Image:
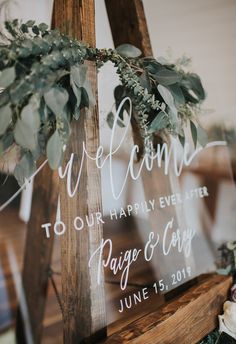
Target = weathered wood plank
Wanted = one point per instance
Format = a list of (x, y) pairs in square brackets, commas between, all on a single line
[(37, 257), (186, 319), (83, 300), (128, 24)]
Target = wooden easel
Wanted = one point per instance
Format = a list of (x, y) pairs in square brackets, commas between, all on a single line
[(84, 313)]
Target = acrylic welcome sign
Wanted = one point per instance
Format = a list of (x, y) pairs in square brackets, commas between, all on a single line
[(141, 210), (157, 238)]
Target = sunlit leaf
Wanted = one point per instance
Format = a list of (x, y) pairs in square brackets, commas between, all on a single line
[(26, 129), (169, 100), (5, 118), (167, 77), (160, 122), (128, 50), (54, 150), (7, 76), (56, 99), (78, 75)]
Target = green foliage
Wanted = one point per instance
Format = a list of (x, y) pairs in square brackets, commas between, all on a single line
[(7, 76), (56, 99), (227, 265), (44, 77), (110, 120), (167, 77), (211, 338), (193, 132), (5, 118), (158, 123), (26, 128), (25, 168), (54, 150), (202, 136), (128, 50)]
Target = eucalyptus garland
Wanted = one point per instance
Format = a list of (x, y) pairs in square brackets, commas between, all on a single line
[(44, 87)]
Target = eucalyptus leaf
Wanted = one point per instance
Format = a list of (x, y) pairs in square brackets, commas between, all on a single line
[(25, 168), (196, 86), (167, 77), (77, 92), (84, 98), (193, 133), (145, 81), (160, 122), (30, 23), (111, 118), (119, 93), (169, 100), (177, 93), (5, 118), (56, 99), (87, 86), (7, 76), (202, 136), (43, 27), (26, 129), (182, 140), (35, 30), (152, 65), (87, 98), (128, 50), (166, 95), (54, 150), (189, 96), (7, 140), (78, 75), (24, 28)]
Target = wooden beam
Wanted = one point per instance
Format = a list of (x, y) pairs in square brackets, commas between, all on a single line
[(84, 313), (186, 319), (128, 25), (37, 258)]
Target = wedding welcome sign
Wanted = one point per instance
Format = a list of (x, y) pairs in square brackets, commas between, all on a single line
[(121, 196), (167, 251)]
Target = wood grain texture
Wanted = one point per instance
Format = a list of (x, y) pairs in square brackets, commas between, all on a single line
[(128, 24), (38, 251), (184, 320), (84, 313)]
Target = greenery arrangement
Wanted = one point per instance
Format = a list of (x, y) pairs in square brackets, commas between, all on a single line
[(211, 338), (44, 87), (226, 266), (227, 263)]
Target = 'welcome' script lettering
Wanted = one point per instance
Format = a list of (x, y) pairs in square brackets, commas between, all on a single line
[(161, 155)]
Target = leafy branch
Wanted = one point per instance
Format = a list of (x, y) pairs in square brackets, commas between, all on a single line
[(45, 86)]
